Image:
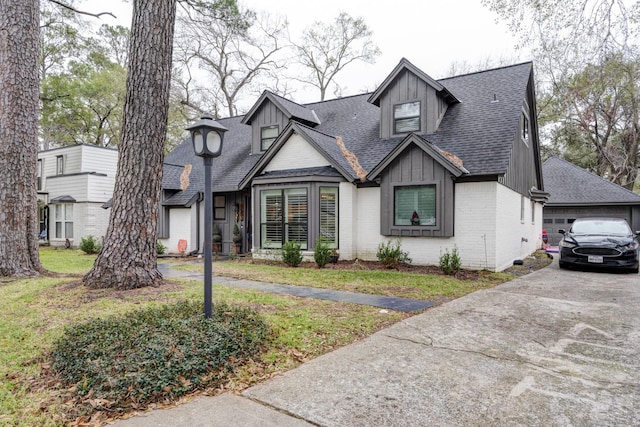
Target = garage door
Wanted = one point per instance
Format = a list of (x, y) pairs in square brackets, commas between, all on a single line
[(555, 219)]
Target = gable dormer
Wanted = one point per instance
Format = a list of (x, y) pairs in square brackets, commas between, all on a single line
[(410, 101), (270, 115)]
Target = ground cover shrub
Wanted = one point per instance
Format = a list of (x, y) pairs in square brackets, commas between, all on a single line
[(291, 254), (450, 262), (322, 253), (90, 245), (391, 255), (160, 248), (156, 354)]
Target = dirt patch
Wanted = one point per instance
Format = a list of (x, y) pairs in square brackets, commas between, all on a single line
[(536, 261)]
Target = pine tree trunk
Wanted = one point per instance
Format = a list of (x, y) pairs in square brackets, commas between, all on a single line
[(128, 258), (19, 87)]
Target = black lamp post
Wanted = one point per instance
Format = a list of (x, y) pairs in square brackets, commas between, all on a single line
[(207, 135)]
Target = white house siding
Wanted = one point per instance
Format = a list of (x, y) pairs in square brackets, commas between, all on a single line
[(347, 220), (75, 186), (296, 153), (89, 219), (182, 227), (516, 238), (99, 159), (100, 188), (487, 235)]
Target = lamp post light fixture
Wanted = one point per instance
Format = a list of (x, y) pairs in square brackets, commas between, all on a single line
[(207, 135)]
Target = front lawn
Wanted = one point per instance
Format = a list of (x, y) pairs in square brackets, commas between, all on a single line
[(34, 313)]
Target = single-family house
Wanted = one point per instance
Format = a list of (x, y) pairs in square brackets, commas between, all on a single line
[(577, 193), (438, 164), (73, 184)]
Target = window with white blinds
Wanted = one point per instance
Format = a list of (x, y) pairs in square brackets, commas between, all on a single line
[(284, 217), (415, 205), (329, 215)]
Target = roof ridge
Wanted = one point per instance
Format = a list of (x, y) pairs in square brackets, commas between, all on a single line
[(338, 99), (486, 71)]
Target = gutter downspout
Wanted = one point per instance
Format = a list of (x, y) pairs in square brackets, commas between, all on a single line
[(197, 249)]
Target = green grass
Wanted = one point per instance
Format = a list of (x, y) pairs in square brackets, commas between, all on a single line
[(34, 312), (377, 282)]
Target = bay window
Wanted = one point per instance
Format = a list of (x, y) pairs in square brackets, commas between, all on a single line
[(329, 215), (284, 217)]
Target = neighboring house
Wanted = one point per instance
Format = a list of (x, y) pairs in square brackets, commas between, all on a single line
[(577, 193), (73, 184), (441, 164)]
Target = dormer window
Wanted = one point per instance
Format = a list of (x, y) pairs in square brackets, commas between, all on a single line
[(525, 128), (406, 117), (268, 134)]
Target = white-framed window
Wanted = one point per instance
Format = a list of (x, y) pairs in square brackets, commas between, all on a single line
[(268, 134), (406, 117), (284, 217), (59, 165), (64, 221), (329, 215), (415, 205)]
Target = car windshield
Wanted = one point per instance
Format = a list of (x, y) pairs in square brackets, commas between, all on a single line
[(616, 228)]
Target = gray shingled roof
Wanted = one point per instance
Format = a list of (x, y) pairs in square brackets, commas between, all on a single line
[(477, 130), (292, 110), (228, 169), (569, 184)]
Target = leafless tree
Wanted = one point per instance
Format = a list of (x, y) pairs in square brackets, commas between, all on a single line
[(232, 52), (326, 49)]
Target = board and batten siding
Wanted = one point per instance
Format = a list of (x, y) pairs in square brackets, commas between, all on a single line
[(296, 153), (521, 173), (415, 167), (408, 88), (267, 115)]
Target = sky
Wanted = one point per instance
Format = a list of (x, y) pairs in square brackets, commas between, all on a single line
[(432, 34)]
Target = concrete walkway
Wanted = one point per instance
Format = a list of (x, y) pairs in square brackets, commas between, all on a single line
[(391, 303), (552, 348)]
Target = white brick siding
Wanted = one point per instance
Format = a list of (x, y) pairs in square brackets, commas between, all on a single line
[(488, 230)]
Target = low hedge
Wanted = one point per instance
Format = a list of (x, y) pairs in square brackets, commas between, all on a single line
[(156, 354)]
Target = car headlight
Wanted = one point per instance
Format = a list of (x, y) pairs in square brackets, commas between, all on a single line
[(567, 244), (631, 246)]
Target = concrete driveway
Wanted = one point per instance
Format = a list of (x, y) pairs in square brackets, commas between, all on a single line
[(553, 348)]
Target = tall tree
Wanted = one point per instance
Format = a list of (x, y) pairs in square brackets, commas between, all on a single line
[(325, 50), (128, 257), (587, 59), (19, 43), (600, 127)]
